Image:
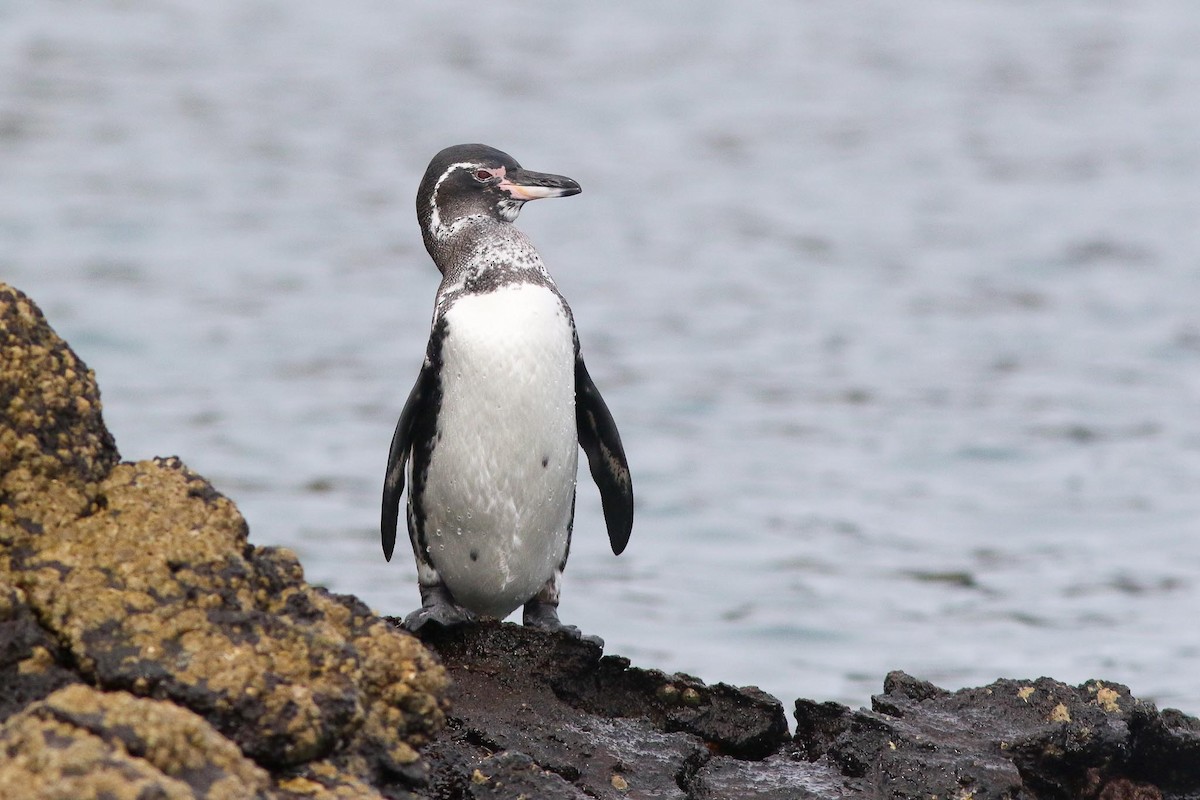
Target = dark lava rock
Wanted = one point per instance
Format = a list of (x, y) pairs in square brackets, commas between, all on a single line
[(786, 776), (584, 726), (544, 715), (1010, 739), (740, 722)]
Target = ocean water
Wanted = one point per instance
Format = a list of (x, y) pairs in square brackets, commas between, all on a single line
[(897, 305)]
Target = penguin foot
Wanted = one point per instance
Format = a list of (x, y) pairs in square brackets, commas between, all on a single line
[(544, 616), (439, 609), (441, 616)]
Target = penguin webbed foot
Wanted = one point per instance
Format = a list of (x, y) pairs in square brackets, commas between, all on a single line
[(439, 616), (544, 616), (438, 609)]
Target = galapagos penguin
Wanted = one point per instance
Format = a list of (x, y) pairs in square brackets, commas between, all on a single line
[(491, 429)]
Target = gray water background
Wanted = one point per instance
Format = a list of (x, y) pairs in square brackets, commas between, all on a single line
[(897, 304)]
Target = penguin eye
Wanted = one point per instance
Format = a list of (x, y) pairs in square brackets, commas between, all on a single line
[(483, 175)]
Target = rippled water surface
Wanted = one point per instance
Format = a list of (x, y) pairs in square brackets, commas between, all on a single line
[(897, 305)]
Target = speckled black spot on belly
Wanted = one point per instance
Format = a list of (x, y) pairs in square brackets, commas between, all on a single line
[(474, 555), (545, 461)]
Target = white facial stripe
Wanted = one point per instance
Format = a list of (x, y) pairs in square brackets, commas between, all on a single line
[(435, 219)]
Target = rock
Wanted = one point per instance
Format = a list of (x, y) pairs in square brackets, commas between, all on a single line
[(139, 578), (587, 726), (741, 722), (30, 659), (545, 715), (158, 594), (80, 742), (54, 447), (1166, 749), (1037, 739), (785, 776), (511, 774)]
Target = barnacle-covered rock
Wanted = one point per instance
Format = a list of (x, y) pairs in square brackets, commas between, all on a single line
[(54, 447), (139, 577), (84, 743)]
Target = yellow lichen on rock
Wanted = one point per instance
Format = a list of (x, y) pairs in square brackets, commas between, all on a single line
[(1106, 696), (40, 660), (82, 743), (139, 577), (322, 780), (53, 443), (156, 594), (409, 687)]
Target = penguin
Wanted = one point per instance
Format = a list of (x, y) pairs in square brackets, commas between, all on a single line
[(491, 431)]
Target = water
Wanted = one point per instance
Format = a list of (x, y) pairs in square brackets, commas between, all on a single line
[(896, 304)]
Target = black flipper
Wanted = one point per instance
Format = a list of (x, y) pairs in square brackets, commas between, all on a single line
[(402, 441), (606, 458)]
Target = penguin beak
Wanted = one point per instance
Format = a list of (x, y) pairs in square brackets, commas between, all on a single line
[(524, 185)]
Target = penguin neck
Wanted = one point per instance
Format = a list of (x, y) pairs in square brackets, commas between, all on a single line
[(482, 253)]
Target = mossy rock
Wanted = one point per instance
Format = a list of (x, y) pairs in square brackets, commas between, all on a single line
[(139, 577), (81, 743), (31, 665), (54, 447)]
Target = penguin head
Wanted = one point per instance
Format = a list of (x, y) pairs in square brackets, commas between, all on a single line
[(474, 180)]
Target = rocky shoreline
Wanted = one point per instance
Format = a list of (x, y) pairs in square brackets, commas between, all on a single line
[(148, 650)]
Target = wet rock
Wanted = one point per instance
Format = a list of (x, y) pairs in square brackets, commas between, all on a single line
[(1037, 739), (592, 726), (508, 775), (741, 722), (579, 723), (786, 776), (546, 715)]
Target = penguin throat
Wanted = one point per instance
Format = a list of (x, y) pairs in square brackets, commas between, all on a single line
[(508, 209)]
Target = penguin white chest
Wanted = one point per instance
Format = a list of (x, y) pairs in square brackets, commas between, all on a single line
[(499, 492)]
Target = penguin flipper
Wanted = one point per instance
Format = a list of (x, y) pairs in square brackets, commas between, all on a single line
[(393, 481), (606, 457)]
